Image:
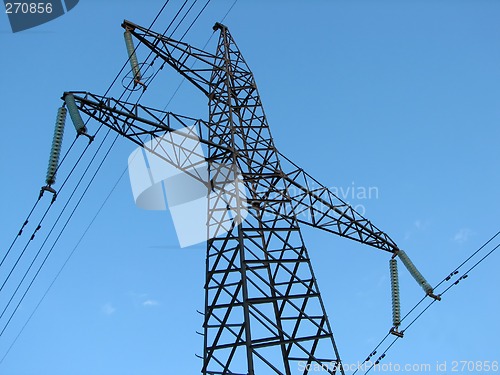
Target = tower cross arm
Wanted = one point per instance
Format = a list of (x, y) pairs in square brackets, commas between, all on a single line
[(150, 129), (134, 121), (179, 55), (316, 205)]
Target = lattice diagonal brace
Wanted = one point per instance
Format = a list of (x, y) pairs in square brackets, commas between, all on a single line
[(263, 309)]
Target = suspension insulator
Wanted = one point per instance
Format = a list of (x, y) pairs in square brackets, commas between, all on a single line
[(415, 272), (55, 151), (74, 113), (396, 305), (132, 56)]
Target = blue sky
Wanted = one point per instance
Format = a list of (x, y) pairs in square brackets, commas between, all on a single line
[(401, 97)]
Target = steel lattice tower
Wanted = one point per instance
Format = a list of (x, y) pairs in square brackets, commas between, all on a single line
[(263, 309)]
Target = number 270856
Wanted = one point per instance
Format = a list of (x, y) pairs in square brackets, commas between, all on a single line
[(28, 8)]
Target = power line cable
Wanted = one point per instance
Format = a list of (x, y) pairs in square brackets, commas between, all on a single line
[(38, 227), (85, 192), (57, 239), (63, 266), (47, 236), (26, 221), (72, 215), (447, 278), (72, 170)]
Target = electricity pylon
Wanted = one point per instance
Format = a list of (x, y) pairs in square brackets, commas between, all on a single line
[(263, 310)]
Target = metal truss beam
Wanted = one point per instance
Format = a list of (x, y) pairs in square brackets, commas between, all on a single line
[(263, 309)]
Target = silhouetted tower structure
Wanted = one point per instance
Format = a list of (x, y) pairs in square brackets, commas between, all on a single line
[(263, 309)]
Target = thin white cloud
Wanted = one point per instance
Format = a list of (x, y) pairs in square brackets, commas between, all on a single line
[(136, 295), (150, 303), (462, 235), (108, 309), (421, 224), (418, 225), (382, 281)]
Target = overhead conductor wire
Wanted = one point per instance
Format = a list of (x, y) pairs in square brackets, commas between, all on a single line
[(67, 259), (53, 226), (445, 279)]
